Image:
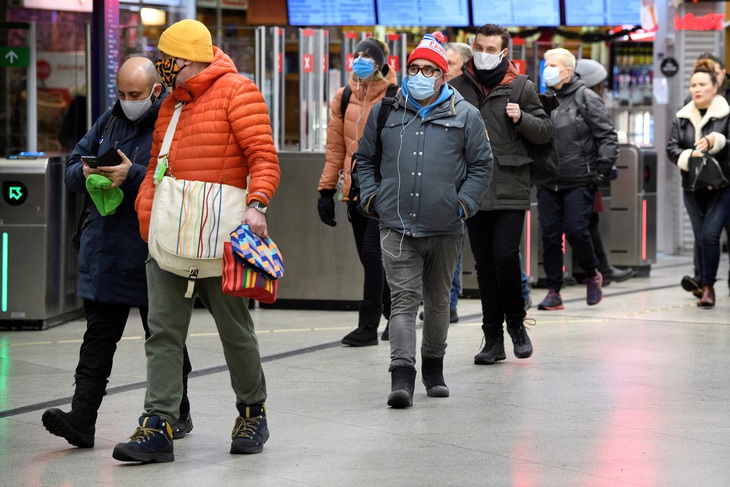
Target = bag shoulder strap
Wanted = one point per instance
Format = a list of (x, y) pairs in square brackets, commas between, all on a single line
[(518, 86), (167, 141), (345, 100)]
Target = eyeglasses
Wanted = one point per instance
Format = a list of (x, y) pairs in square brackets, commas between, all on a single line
[(428, 71)]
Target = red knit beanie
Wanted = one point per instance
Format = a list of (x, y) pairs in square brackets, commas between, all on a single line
[(430, 48)]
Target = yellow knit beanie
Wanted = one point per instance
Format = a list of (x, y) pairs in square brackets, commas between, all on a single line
[(189, 40)]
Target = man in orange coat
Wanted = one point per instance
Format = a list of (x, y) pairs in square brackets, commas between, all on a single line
[(223, 136)]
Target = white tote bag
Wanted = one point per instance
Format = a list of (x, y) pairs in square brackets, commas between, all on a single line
[(190, 222)]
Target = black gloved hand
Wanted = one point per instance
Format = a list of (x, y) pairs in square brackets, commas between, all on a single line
[(602, 181), (326, 207)]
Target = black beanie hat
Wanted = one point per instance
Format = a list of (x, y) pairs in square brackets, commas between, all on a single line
[(372, 48)]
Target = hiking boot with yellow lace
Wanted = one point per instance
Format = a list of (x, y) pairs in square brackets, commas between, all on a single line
[(151, 443), (251, 430)]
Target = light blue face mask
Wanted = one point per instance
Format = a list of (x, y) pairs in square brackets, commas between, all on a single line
[(363, 67), (420, 87), (551, 75)]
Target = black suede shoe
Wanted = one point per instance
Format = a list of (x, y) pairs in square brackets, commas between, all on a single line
[(68, 426), (361, 337), (151, 443), (402, 384), (182, 427), (250, 431)]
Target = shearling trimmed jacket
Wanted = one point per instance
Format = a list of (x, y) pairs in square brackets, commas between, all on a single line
[(689, 127), (223, 136)]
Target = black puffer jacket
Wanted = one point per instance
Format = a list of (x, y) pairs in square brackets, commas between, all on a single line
[(689, 127), (510, 186), (584, 136)]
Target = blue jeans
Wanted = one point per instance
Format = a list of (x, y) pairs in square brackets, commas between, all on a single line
[(418, 268), (708, 212), (566, 211)]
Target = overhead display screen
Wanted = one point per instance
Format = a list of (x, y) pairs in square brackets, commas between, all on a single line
[(516, 13), (429, 13), (602, 12), (331, 12)]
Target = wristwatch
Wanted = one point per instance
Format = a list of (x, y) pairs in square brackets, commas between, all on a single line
[(258, 206)]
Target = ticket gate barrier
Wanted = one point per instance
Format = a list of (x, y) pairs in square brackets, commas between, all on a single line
[(634, 209), (38, 264)]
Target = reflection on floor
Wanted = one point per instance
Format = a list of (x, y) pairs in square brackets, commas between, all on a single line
[(632, 392)]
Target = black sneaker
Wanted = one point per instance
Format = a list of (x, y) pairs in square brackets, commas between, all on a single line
[(182, 427), (69, 427), (692, 285), (493, 350), (151, 443), (250, 431), (520, 339)]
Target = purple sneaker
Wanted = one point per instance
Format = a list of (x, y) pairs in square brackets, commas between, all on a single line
[(552, 301), (594, 289)]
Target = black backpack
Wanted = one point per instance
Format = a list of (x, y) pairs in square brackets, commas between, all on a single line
[(388, 102), (545, 166)]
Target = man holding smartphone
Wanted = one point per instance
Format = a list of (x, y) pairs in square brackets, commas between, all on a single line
[(112, 254)]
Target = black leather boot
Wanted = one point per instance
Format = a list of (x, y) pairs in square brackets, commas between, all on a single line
[(78, 426), (366, 333), (432, 375), (403, 382), (493, 350), (614, 274)]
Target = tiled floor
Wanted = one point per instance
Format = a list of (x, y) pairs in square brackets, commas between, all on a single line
[(632, 392)]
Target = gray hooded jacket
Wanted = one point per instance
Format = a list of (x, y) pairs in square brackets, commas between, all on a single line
[(429, 166)]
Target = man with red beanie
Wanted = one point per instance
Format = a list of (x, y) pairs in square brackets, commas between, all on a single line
[(435, 166), (223, 136)]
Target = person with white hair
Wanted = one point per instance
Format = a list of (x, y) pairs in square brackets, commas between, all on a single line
[(587, 145)]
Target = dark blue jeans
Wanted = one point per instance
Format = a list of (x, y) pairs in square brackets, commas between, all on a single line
[(495, 242), (708, 212), (566, 211)]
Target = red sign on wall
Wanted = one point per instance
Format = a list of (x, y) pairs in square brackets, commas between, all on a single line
[(706, 22), (349, 61)]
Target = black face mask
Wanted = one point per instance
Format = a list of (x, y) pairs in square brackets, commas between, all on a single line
[(491, 77)]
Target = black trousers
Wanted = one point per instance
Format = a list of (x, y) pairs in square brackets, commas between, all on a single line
[(105, 323), (367, 240), (495, 237)]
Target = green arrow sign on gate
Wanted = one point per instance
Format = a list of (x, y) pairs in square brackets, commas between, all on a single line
[(14, 57)]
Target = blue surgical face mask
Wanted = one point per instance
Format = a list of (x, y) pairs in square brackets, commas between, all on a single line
[(420, 87), (551, 75), (363, 67)]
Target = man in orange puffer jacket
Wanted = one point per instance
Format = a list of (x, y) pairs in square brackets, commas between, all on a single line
[(223, 136)]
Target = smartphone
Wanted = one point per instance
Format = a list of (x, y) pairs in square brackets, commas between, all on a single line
[(109, 158)]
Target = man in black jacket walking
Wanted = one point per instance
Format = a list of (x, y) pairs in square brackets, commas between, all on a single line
[(587, 147), (495, 231)]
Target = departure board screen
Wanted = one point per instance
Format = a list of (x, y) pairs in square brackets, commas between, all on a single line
[(429, 13), (331, 12), (516, 13), (602, 12)]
